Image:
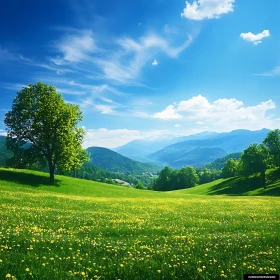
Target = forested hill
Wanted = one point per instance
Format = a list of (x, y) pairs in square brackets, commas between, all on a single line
[(114, 162), (220, 162)]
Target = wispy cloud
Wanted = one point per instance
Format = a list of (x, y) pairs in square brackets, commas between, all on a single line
[(255, 38), (207, 9), (7, 55), (13, 87), (122, 62), (75, 47), (272, 73)]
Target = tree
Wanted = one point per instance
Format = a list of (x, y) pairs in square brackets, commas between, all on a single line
[(42, 125), (139, 186), (230, 168), (188, 177), (254, 160), (162, 183), (272, 142)]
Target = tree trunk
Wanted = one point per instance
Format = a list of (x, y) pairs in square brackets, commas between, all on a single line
[(51, 171)]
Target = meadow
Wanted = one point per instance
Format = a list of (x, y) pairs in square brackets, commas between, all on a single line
[(79, 229)]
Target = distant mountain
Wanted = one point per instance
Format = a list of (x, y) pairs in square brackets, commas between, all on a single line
[(193, 152), (114, 162), (140, 149)]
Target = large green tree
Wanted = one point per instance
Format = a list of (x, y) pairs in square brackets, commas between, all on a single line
[(187, 177), (162, 183), (272, 142), (254, 160), (42, 125), (230, 168)]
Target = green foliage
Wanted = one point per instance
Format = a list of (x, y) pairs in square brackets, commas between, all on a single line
[(188, 177), (230, 168), (5, 155), (255, 159), (272, 142), (170, 179), (139, 186), (164, 179), (220, 162), (208, 175), (42, 125)]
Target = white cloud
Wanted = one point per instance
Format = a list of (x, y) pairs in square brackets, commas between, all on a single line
[(155, 63), (222, 114), (274, 72), (168, 114), (255, 38), (177, 125), (207, 9), (3, 132), (114, 138), (121, 62), (75, 47)]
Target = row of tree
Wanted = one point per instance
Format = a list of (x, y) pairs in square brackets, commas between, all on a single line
[(170, 179)]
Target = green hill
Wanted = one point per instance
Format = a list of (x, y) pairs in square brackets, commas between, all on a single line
[(80, 229), (114, 162), (240, 186), (220, 162)]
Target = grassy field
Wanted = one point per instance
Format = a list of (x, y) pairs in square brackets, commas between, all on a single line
[(85, 230)]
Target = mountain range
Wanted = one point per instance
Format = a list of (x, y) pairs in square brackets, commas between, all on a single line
[(195, 150), (140, 149), (174, 151)]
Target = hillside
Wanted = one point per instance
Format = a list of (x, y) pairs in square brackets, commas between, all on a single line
[(238, 186), (80, 229), (180, 154), (220, 162), (114, 162)]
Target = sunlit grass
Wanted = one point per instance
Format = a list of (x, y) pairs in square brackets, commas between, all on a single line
[(84, 230)]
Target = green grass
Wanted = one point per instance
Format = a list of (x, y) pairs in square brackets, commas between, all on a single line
[(251, 186), (79, 229)]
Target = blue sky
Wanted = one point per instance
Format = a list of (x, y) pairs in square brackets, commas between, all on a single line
[(147, 68)]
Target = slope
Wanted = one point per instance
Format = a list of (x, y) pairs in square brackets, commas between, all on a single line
[(114, 162), (239, 186)]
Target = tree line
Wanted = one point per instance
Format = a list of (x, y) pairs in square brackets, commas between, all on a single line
[(254, 160)]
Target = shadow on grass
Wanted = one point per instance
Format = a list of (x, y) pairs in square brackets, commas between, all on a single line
[(237, 186), (242, 185), (33, 180)]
